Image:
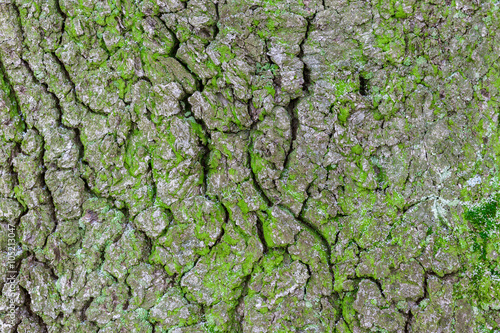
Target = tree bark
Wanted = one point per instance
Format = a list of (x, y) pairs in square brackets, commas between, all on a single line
[(249, 166)]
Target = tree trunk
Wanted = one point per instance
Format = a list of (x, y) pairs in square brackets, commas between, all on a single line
[(249, 166)]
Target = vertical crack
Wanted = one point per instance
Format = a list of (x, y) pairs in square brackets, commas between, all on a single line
[(325, 242), (256, 183), (409, 318), (204, 141), (12, 94), (30, 310), (216, 26), (64, 17), (294, 125), (363, 85), (239, 311), (260, 232)]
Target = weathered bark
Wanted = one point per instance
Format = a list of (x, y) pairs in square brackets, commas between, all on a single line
[(250, 166)]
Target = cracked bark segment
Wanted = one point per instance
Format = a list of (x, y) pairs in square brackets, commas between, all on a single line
[(270, 146), (176, 160), (38, 281), (405, 284), (375, 312), (271, 286), (218, 275), (130, 250), (67, 191), (108, 305), (31, 188), (280, 227), (153, 221), (173, 310), (147, 284), (165, 99), (197, 227), (12, 123), (30, 325), (102, 226), (309, 249), (73, 324), (437, 304), (220, 110), (132, 321), (40, 219), (306, 154), (277, 297), (194, 55), (230, 179), (10, 209)]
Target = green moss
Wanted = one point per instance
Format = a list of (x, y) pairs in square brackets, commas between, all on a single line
[(225, 53), (484, 216), (343, 114), (357, 149), (348, 312), (400, 13)]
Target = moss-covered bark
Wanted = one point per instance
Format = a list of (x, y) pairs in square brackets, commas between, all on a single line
[(250, 166)]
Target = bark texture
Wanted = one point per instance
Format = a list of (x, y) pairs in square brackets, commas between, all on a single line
[(251, 165)]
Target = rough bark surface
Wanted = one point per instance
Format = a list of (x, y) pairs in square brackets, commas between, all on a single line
[(251, 166)]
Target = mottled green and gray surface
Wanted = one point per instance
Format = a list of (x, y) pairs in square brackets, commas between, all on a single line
[(251, 166)]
